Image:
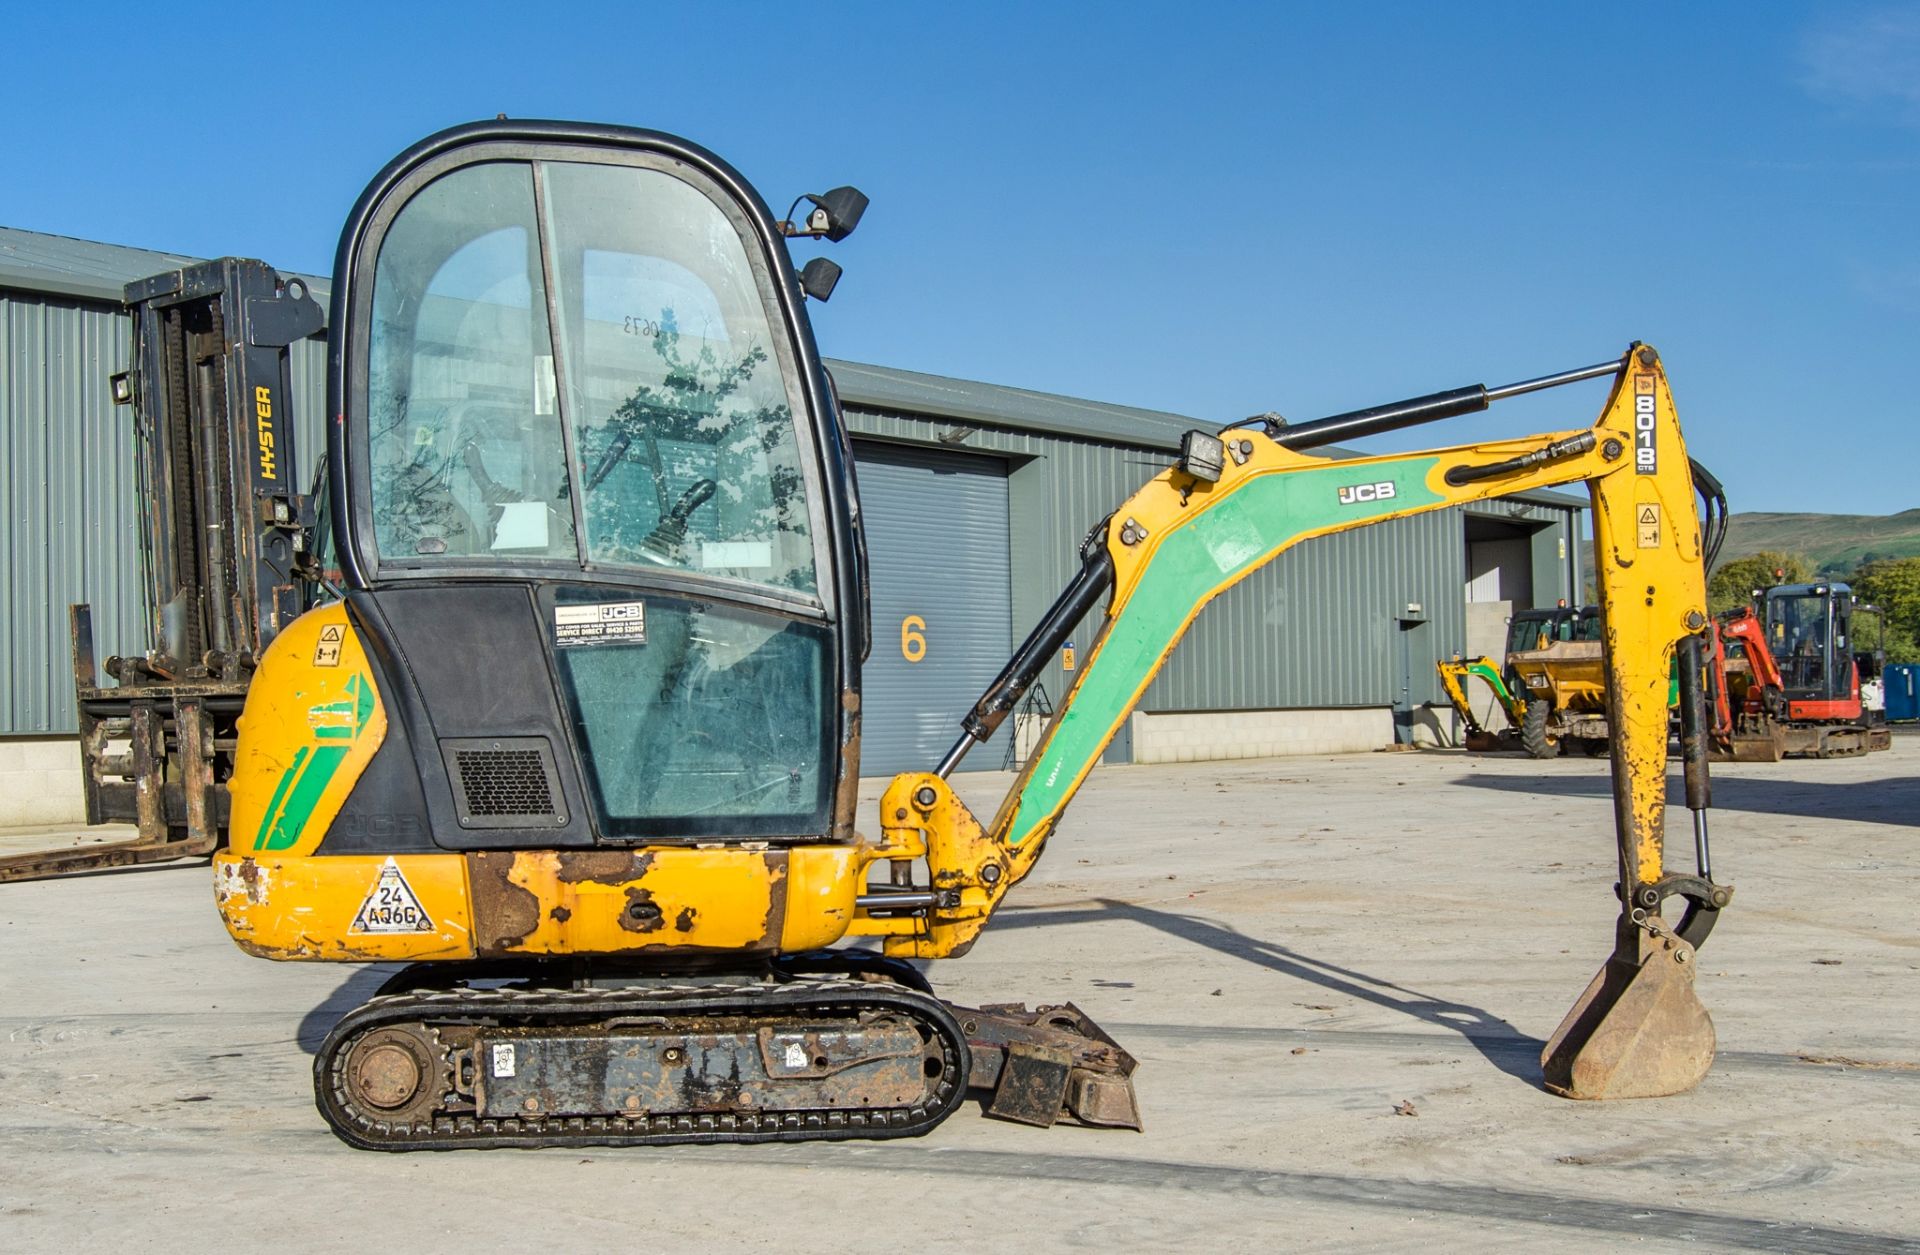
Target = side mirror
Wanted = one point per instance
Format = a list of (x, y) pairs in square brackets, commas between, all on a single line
[(818, 277)]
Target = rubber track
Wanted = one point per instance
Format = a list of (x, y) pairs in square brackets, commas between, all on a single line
[(560, 1008)]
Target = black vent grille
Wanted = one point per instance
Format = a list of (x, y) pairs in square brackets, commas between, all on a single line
[(504, 783)]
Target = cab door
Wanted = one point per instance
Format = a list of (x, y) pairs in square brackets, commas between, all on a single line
[(593, 514)]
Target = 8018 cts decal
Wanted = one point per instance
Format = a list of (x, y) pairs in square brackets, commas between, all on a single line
[(1646, 453), (1354, 494)]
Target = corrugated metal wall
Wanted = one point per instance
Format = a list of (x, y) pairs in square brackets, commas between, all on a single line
[(1316, 628), (937, 539), (68, 522)]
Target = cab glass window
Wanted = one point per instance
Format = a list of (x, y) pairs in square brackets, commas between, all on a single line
[(674, 383), (465, 454), (1798, 635), (704, 720)]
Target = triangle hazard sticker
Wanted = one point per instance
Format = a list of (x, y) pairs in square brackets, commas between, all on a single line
[(391, 906)]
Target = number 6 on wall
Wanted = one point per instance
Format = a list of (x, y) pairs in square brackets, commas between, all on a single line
[(913, 638)]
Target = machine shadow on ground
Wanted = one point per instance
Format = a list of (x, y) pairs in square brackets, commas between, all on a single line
[(361, 984), (1891, 800), (1498, 1041)]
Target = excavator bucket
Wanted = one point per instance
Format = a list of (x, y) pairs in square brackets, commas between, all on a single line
[(1638, 1031)]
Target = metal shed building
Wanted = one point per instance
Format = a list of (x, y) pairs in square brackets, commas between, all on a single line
[(1330, 648)]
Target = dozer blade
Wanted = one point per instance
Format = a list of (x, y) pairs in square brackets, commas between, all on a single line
[(1638, 1031), (1767, 746), (1040, 1065)]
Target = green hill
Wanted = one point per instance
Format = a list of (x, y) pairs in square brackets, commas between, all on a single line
[(1833, 543)]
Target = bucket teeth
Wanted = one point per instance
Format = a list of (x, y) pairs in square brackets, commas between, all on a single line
[(1638, 1031)]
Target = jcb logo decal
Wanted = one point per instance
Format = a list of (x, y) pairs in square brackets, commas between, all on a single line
[(263, 414), (1354, 494), (1646, 450)]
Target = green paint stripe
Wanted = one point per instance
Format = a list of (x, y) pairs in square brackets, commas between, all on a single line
[(309, 783), (361, 689), (334, 732), (268, 836), (1215, 548), (1495, 681), (313, 769)]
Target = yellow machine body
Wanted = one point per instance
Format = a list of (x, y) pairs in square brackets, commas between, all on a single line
[(314, 719)]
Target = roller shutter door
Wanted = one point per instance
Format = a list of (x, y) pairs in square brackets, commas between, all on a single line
[(942, 605)]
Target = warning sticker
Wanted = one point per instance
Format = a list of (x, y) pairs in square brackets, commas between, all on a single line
[(391, 906), (327, 652), (504, 1063), (1647, 523), (600, 623)]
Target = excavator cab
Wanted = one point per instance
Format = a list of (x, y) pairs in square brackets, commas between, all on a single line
[(592, 509), (1537, 629), (1810, 632)]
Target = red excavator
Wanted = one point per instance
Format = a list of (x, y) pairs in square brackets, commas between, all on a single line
[(1787, 677)]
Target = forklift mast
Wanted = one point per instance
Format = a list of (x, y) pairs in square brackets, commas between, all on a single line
[(211, 389), (223, 535)]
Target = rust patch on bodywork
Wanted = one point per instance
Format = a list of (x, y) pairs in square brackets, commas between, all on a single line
[(605, 867), (504, 913), (846, 801), (642, 914), (247, 880), (716, 897), (776, 895)]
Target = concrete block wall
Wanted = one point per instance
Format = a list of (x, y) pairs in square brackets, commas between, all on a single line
[(40, 783), (1201, 736)]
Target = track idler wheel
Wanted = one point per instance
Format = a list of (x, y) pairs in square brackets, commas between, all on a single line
[(397, 1073), (1639, 1031)]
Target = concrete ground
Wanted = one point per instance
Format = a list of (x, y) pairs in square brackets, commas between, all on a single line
[(1336, 973)]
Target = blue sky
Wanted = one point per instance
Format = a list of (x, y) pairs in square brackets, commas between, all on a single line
[(1211, 209)]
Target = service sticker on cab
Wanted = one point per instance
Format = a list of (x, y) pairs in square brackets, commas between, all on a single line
[(1646, 448), (391, 906), (600, 623)]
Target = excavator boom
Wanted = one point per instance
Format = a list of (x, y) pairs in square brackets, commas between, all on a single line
[(1454, 674), (1205, 525)]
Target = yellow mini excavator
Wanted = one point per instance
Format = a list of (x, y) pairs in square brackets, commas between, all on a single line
[(579, 740)]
